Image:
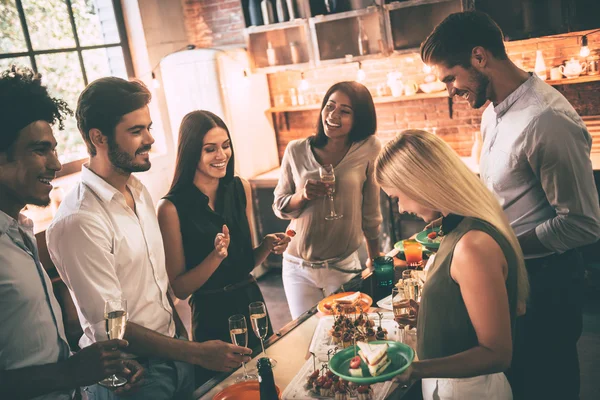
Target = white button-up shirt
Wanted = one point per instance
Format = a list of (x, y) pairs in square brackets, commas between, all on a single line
[(31, 332), (104, 250), (536, 159)]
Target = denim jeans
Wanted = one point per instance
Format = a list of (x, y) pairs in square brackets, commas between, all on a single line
[(164, 380)]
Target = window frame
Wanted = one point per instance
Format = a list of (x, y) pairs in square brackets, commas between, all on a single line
[(74, 166)]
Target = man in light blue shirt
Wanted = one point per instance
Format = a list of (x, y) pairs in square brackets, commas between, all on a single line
[(35, 359), (536, 159)]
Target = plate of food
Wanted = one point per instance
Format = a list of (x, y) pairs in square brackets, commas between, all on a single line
[(368, 363), (430, 238), (249, 390), (346, 301)]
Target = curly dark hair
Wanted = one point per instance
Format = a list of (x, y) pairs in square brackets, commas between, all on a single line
[(23, 100)]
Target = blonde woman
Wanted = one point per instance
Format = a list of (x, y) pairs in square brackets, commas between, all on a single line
[(469, 301)]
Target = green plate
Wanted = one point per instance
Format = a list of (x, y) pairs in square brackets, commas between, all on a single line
[(400, 354), (424, 240)]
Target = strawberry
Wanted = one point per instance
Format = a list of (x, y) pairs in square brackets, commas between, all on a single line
[(355, 362), (290, 232), (432, 235)]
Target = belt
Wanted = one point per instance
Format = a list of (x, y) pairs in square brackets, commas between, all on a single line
[(331, 263), (228, 288)]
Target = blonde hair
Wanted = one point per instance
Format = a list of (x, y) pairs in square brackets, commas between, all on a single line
[(448, 185)]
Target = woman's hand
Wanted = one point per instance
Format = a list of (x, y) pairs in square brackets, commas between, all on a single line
[(276, 242), (222, 243), (409, 319), (314, 189), (405, 377)]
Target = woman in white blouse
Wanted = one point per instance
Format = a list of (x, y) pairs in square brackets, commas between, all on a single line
[(323, 254)]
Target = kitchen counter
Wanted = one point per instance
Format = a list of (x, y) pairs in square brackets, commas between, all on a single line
[(290, 347)]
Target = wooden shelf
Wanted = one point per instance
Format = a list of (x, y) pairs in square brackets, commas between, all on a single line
[(572, 81), (376, 100)]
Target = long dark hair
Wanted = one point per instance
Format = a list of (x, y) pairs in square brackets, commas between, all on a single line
[(192, 131), (365, 118)]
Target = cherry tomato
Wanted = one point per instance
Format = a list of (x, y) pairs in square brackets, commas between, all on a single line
[(355, 362), (290, 232)]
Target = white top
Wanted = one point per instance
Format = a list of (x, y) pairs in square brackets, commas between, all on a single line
[(356, 198), (31, 332), (104, 250), (536, 159)]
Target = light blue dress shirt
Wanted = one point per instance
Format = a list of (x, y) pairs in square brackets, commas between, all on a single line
[(31, 332), (536, 159)]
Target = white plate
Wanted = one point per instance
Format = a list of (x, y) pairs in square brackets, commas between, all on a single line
[(386, 303)]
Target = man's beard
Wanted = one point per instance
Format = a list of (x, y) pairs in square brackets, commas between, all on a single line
[(481, 83), (123, 160)]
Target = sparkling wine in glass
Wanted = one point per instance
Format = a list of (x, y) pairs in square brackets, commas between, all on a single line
[(238, 331), (328, 177), (115, 317), (260, 324)]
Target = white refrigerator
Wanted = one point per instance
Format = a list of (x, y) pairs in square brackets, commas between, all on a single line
[(220, 81)]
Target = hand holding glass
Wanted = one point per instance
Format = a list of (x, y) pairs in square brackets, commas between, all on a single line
[(328, 178), (260, 324), (115, 316), (239, 337)]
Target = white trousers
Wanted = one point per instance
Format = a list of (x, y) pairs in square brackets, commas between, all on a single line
[(483, 387), (305, 287)]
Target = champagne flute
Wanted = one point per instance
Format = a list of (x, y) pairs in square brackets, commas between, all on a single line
[(260, 324), (239, 336), (328, 177), (115, 316)]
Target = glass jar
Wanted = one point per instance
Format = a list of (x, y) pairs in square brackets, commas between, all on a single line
[(384, 271), (593, 65)]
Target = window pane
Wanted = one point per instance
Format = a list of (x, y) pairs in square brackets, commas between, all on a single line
[(96, 23), (11, 33), (61, 73), (48, 24), (5, 63), (104, 62)]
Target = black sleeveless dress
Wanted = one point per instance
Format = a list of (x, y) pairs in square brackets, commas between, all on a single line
[(199, 225)]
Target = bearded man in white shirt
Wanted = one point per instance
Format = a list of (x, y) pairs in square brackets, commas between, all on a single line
[(106, 244), (536, 159)]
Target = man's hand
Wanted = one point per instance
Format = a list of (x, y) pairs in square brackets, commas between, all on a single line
[(222, 243), (276, 242), (96, 362), (220, 356), (134, 373), (314, 189)]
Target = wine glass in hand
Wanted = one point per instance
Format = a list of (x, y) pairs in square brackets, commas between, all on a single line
[(115, 316), (260, 324), (328, 178), (239, 337)]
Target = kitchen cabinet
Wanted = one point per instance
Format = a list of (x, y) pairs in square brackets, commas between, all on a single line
[(522, 19), (409, 23)]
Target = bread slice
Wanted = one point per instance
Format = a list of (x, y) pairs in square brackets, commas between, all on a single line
[(375, 356), (348, 300)]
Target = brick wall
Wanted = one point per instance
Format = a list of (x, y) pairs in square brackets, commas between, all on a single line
[(212, 23)]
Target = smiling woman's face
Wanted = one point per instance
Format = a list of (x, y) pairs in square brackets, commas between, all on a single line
[(216, 153), (337, 115)]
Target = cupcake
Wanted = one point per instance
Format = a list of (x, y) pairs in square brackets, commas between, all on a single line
[(364, 392), (319, 383), (381, 334), (327, 389), (340, 390)]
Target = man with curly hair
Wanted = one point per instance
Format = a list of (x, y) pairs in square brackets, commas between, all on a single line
[(35, 359)]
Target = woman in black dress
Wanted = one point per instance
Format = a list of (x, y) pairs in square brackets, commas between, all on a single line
[(205, 222)]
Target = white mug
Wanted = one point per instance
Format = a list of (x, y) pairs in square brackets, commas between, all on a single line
[(555, 74), (410, 88)]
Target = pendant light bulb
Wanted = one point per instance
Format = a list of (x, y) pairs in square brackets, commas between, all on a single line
[(303, 83), (360, 74), (585, 50), (155, 81)]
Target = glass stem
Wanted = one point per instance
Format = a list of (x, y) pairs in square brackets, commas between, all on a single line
[(245, 372), (331, 205), (262, 344)]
